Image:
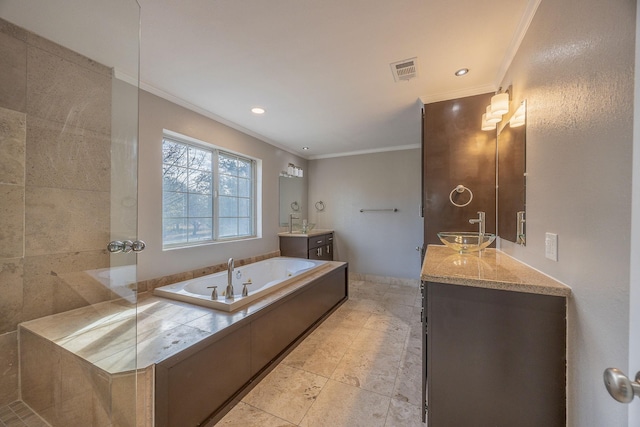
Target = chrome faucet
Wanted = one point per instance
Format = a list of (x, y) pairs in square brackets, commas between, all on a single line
[(229, 291), (291, 218), (480, 221)]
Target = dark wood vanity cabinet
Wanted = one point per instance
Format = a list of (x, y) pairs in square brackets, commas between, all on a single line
[(494, 357), (318, 246)]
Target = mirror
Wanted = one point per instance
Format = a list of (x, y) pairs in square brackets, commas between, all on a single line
[(512, 178), (293, 199)]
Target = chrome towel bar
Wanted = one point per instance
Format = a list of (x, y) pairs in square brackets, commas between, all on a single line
[(379, 210)]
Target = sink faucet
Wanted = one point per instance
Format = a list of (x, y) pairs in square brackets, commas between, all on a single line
[(480, 221), (291, 218), (229, 291)]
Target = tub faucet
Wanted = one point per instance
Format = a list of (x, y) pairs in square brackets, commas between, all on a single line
[(229, 291), (291, 218), (480, 221)]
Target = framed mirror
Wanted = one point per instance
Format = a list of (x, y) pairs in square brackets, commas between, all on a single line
[(511, 154), (293, 198)]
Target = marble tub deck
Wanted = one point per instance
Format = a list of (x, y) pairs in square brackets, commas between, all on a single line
[(120, 337), (360, 367)]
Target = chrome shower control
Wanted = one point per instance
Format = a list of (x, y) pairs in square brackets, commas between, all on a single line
[(620, 387), (126, 246)]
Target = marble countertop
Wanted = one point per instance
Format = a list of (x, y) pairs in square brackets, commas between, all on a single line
[(491, 269), (117, 336), (314, 232)]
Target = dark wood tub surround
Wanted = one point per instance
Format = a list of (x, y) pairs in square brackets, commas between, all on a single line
[(495, 342), (199, 385), (456, 151)]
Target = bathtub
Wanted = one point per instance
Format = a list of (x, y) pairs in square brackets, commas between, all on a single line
[(264, 276)]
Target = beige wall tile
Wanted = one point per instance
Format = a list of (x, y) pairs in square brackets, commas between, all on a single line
[(13, 30), (59, 221), (66, 54), (8, 368), (13, 73), (61, 91), (39, 372), (12, 145), (62, 156), (59, 282), (123, 393), (12, 224), (11, 273)]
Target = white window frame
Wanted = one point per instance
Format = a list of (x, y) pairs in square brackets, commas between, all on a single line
[(255, 183)]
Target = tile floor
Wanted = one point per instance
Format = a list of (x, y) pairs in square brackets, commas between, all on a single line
[(361, 367), (17, 414)]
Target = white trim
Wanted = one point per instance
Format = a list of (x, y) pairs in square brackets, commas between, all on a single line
[(518, 36), (371, 151), (134, 81)]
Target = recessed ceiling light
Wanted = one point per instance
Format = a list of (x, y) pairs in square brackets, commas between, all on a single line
[(461, 72), (257, 110), (305, 148)]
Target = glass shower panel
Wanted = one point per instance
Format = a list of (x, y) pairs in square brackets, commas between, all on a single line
[(68, 186)]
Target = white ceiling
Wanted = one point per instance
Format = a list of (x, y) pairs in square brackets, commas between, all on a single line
[(320, 68)]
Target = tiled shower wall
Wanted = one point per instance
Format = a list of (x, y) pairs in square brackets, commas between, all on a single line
[(55, 125)]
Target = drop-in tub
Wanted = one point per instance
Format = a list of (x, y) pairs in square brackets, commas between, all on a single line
[(263, 277)]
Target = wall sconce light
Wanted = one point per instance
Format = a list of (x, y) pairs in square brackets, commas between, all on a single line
[(493, 114), (485, 124), (519, 117), (500, 103), (293, 171), (492, 118)]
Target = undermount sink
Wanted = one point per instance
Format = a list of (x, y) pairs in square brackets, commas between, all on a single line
[(464, 242)]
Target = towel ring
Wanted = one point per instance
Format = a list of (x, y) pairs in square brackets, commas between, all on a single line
[(319, 206), (460, 189), (295, 206)]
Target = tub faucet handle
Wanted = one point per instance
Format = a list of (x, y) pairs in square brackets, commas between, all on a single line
[(214, 293), (245, 290)]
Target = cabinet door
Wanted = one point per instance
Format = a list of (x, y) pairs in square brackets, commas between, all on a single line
[(500, 353), (317, 253), (293, 246)]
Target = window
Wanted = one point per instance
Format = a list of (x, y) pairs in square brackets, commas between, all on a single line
[(207, 194)]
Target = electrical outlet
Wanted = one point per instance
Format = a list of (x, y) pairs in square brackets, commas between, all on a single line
[(551, 246)]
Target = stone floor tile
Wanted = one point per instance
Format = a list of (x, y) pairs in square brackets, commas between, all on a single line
[(243, 415), (342, 405), (286, 393)]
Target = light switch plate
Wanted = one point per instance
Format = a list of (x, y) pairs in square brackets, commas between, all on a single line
[(551, 246)]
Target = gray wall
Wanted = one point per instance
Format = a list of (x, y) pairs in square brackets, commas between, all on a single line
[(375, 243), (157, 114), (575, 69)]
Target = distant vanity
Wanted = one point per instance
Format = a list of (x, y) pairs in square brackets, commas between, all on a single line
[(495, 347), (315, 244)]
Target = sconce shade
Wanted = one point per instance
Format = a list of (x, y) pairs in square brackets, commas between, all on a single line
[(491, 117), (500, 103), (486, 125), (518, 118)]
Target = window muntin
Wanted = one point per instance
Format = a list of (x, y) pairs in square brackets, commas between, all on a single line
[(192, 212)]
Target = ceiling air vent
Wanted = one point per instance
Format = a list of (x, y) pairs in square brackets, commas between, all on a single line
[(405, 70)]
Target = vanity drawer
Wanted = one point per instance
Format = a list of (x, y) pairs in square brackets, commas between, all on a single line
[(317, 241)]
